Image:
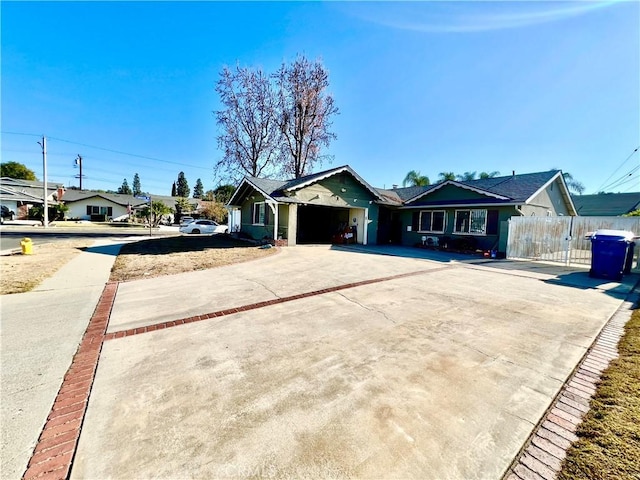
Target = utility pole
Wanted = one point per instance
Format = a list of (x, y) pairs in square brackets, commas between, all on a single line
[(43, 144), (79, 164)]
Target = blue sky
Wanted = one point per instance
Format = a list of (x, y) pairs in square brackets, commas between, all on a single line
[(428, 86)]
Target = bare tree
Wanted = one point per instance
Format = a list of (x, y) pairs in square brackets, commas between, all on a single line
[(250, 131), (307, 109)]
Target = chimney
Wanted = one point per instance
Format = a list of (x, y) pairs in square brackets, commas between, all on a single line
[(394, 186), (513, 173), (60, 192)]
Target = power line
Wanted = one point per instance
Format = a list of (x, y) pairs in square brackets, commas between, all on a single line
[(616, 170), (119, 152), (622, 178), (128, 154)]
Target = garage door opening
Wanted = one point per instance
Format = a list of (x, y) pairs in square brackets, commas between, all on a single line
[(317, 224)]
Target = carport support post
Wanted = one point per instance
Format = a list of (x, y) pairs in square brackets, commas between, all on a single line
[(292, 226)]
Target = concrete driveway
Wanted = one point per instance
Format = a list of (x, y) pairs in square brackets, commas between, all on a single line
[(379, 367)]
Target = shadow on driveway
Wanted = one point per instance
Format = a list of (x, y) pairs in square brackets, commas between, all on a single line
[(575, 276)]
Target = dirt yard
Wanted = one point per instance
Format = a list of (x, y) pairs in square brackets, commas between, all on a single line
[(20, 273), (166, 256), (143, 259)]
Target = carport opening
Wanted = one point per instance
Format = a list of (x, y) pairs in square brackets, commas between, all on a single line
[(319, 225)]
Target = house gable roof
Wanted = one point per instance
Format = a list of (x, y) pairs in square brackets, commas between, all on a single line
[(607, 204), (463, 185), (279, 190), (512, 189)]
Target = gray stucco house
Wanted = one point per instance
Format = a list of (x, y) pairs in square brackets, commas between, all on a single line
[(317, 207)]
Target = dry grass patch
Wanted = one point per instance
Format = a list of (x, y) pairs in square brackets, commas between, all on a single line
[(165, 256), (609, 435), (21, 273)]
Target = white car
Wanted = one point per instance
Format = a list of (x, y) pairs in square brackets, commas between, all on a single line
[(204, 226)]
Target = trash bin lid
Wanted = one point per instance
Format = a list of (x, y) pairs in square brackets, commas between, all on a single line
[(614, 235)]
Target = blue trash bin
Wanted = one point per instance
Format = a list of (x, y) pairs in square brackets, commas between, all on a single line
[(611, 254)]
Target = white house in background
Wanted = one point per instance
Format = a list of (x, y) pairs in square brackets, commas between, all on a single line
[(87, 205)]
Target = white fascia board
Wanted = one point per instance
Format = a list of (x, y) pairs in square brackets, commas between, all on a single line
[(460, 205), (245, 180), (331, 173), (566, 194), (459, 185)]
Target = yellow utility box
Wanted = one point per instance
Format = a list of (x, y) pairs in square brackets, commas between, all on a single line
[(27, 246)]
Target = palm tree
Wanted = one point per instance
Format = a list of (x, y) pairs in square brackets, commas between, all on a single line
[(447, 176), (574, 185), (414, 179), (493, 174), (466, 176)]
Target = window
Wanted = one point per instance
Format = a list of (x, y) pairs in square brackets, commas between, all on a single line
[(432, 221), (97, 210), (473, 222), (258, 213)]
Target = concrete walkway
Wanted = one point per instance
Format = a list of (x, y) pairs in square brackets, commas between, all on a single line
[(40, 333)]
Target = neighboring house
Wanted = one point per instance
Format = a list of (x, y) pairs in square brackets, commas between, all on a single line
[(21, 195), (311, 209), (96, 206), (471, 214), (606, 204)]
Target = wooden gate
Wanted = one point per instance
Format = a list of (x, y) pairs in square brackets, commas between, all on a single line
[(563, 240)]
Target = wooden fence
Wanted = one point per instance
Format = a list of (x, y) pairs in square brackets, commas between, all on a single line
[(565, 240)]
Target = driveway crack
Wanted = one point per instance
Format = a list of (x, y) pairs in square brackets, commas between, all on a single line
[(366, 307), (265, 287)]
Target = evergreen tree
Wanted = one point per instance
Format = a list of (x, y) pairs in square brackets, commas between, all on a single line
[(183, 189), (124, 188), (137, 190), (198, 190), (174, 191)]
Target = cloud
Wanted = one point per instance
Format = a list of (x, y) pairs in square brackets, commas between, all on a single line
[(469, 17)]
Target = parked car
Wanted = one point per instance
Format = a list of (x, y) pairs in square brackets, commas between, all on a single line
[(186, 220), (204, 226), (6, 213)]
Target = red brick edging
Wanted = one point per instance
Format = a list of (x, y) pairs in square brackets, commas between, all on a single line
[(253, 306), (542, 455), (54, 451)]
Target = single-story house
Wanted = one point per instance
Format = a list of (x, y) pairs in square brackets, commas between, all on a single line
[(607, 204), (98, 206), (311, 209), (21, 195), (317, 208)]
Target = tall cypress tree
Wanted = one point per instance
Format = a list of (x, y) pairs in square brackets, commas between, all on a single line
[(183, 189), (198, 190), (174, 191), (137, 189)]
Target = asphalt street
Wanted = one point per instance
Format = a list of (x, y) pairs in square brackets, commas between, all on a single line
[(10, 236)]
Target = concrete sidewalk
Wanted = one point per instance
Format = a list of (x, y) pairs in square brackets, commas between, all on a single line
[(40, 332)]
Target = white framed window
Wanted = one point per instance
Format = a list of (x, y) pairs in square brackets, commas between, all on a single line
[(432, 221), (258, 213), (472, 222)]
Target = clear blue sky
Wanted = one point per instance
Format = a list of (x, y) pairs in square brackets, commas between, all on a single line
[(430, 86)]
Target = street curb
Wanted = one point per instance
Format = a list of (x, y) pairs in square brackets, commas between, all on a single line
[(56, 446), (543, 453)]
